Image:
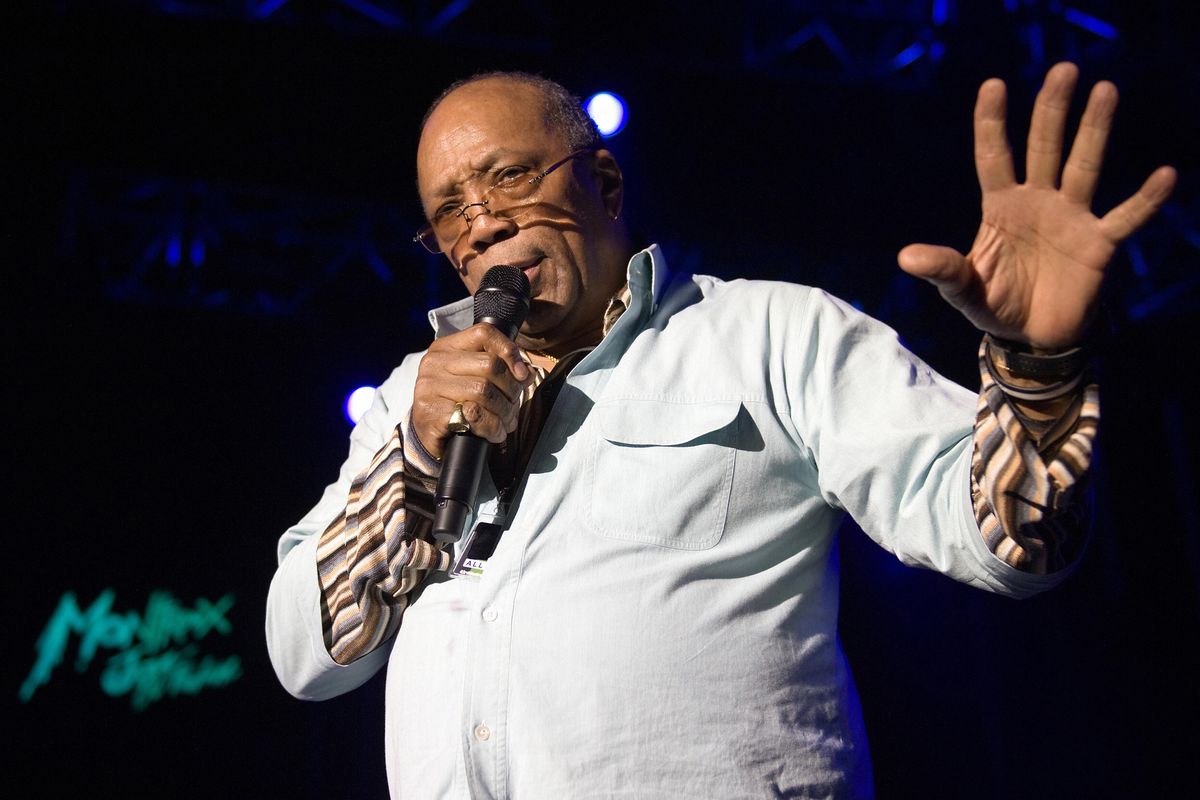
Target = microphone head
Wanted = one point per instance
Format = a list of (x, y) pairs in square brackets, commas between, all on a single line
[(503, 299)]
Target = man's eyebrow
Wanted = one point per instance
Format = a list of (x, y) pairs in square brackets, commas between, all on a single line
[(487, 163)]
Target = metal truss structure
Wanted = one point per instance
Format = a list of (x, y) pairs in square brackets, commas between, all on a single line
[(246, 249), (522, 23), (896, 42), (265, 251), (260, 251), (902, 44)]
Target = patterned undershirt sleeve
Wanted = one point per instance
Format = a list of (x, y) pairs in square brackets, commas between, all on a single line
[(380, 548), (1028, 478), (374, 553)]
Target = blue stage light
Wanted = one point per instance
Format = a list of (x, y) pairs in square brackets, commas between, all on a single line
[(908, 55), (358, 402), (173, 252), (1096, 25), (608, 112), (196, 252), (941, 10)]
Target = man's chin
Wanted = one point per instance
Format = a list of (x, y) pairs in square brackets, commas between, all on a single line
[(542, 323), (535, 341)]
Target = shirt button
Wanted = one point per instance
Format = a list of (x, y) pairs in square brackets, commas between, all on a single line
[(490, 614), (483, 733)]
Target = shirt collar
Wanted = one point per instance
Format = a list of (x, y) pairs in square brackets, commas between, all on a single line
[(645, 276)]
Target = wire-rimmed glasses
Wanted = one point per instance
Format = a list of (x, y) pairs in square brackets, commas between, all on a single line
[(513, 195)]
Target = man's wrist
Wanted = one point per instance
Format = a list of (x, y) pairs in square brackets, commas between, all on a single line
[(416, 455), (1031, 374)]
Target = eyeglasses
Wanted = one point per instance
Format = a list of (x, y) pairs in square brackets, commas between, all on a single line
[(515, 193)]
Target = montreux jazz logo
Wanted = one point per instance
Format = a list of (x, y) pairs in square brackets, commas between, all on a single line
[(155, 653)]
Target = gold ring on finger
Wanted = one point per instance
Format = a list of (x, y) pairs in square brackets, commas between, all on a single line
[(458, 421)]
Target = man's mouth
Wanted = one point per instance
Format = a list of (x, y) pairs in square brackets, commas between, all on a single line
[(531, 268), (528, 264)]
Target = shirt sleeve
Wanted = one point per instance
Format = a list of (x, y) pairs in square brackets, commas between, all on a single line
[(1028, 480), (377, 551), (297, 611), (380, 548)]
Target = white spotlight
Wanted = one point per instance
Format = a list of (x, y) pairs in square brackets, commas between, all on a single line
[(608, 112), (358, 402)]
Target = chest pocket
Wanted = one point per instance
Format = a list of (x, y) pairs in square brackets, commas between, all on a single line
[(660, 472)]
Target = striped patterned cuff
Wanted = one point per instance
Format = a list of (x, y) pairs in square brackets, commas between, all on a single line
[(1030, 506), (372, 555), (415, 454)]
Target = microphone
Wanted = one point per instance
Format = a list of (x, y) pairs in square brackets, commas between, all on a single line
[(502, 300)]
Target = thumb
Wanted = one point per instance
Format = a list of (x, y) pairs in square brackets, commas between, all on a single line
[(944, 267), (952, 274)]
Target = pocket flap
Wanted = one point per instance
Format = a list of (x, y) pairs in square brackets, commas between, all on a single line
[(662, 422)]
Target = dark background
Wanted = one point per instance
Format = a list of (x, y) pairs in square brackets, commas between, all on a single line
[(209, 249)]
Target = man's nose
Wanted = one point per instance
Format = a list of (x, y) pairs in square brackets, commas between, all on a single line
[(486, 228)]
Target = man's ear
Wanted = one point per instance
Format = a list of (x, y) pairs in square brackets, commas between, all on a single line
[(610, 182)]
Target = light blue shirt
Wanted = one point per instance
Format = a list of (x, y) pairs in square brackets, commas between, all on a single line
[(659, 620)]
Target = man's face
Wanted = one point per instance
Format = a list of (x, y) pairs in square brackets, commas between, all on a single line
[(569, 247)]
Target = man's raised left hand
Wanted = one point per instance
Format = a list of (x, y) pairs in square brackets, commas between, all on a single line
[(1034, 272)]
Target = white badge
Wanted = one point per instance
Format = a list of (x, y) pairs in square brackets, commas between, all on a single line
[(473, 552)]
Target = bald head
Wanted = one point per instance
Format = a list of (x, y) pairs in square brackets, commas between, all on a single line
[(493, 119), (561, 111)]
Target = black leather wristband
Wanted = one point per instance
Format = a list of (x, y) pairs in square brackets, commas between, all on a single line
[(1021, 362)]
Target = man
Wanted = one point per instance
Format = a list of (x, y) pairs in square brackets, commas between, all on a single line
[(673, 454)]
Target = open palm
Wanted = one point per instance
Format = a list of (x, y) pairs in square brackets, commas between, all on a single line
[(1034, 271)]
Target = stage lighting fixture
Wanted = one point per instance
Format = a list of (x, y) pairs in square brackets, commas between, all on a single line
[(608, 112), (358, 402)]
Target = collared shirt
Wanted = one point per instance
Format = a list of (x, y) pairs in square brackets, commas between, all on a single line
[(659, 618)]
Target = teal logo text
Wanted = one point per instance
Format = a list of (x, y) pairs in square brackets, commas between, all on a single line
[(156, 652)]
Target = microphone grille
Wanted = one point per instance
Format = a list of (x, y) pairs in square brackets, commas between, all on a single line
[(505, 278), (503, 295)]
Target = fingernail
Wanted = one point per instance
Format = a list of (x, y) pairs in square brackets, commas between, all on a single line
[(521, 370)]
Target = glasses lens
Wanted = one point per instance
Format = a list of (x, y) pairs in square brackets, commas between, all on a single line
[(428, 239), (516, 192), (506, 200)]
